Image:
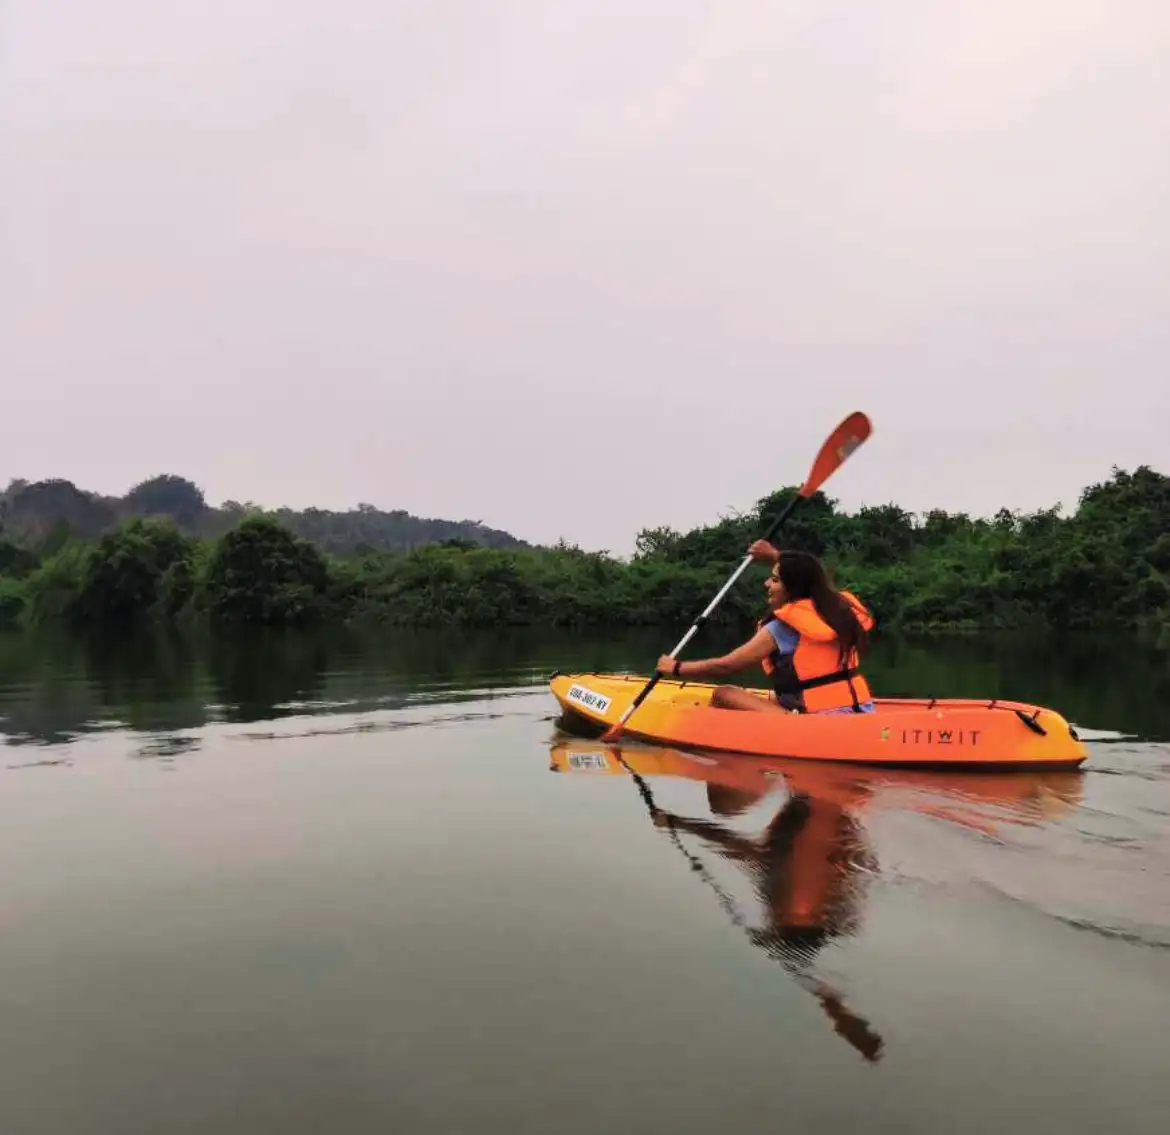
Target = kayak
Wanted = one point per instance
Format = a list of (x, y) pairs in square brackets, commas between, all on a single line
[(913, 732)]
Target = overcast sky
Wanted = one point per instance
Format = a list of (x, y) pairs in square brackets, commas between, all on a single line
[(577, 267)]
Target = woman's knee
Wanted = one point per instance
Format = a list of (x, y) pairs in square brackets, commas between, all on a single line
[(725, 697), (732, 697)]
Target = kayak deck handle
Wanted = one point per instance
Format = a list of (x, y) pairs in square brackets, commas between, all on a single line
[(1031, 722)]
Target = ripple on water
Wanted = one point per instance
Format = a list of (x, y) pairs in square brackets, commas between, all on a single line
[(1101, 865)]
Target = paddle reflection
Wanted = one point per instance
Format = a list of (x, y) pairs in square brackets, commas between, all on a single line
[(810, 865)]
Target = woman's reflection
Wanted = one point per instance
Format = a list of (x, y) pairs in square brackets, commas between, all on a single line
[(808, 868)]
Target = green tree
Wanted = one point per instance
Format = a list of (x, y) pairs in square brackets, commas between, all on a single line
[(13, 599), (17, 561), (260, 573), (167, 495), (124, 575)]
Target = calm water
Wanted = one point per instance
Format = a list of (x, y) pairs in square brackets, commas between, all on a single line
[(305, 885)]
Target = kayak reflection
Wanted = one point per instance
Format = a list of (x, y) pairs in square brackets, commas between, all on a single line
[(810, 865)]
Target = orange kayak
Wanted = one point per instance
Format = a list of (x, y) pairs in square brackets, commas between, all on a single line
[(914, 732)]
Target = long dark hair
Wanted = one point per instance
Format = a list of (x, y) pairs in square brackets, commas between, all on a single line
[(804, 577)]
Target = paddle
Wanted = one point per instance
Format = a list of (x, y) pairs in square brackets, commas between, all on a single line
[(837, 447)]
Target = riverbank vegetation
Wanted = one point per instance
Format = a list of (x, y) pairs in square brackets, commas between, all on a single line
[(1106, 564)]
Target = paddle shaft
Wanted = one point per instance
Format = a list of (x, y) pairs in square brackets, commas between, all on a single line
[(773, 528)]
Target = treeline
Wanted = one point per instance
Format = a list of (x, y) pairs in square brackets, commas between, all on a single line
[(1108, 564), (48, 514)]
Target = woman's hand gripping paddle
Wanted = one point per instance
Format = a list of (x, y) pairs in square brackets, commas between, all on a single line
[(838, 446)]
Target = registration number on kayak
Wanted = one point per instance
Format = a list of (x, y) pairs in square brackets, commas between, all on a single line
[(598, 703), (587, 762)]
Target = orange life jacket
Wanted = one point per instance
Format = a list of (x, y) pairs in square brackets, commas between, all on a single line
[(813, 675)]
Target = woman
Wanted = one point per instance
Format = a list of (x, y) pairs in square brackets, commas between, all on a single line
[(809, 645)]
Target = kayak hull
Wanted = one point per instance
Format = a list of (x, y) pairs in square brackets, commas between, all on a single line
[(903, 732)]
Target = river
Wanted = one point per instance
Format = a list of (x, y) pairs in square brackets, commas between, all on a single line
[(358, 884)]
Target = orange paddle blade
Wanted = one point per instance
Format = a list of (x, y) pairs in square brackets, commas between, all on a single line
[(840, 443)]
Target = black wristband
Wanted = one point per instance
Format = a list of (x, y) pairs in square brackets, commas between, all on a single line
[(677, 666)]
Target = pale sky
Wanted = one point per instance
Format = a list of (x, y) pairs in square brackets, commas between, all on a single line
[(579, 267)]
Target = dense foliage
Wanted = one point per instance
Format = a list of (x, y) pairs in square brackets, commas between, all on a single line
[(1107, 564)]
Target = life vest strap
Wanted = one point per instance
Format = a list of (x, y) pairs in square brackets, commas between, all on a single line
[(828, 679)]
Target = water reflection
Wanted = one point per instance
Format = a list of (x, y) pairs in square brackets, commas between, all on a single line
[(810, 864), (55, 688)]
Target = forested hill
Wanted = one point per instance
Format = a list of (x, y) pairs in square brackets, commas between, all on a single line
[(46, 514), (1107, 564)]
